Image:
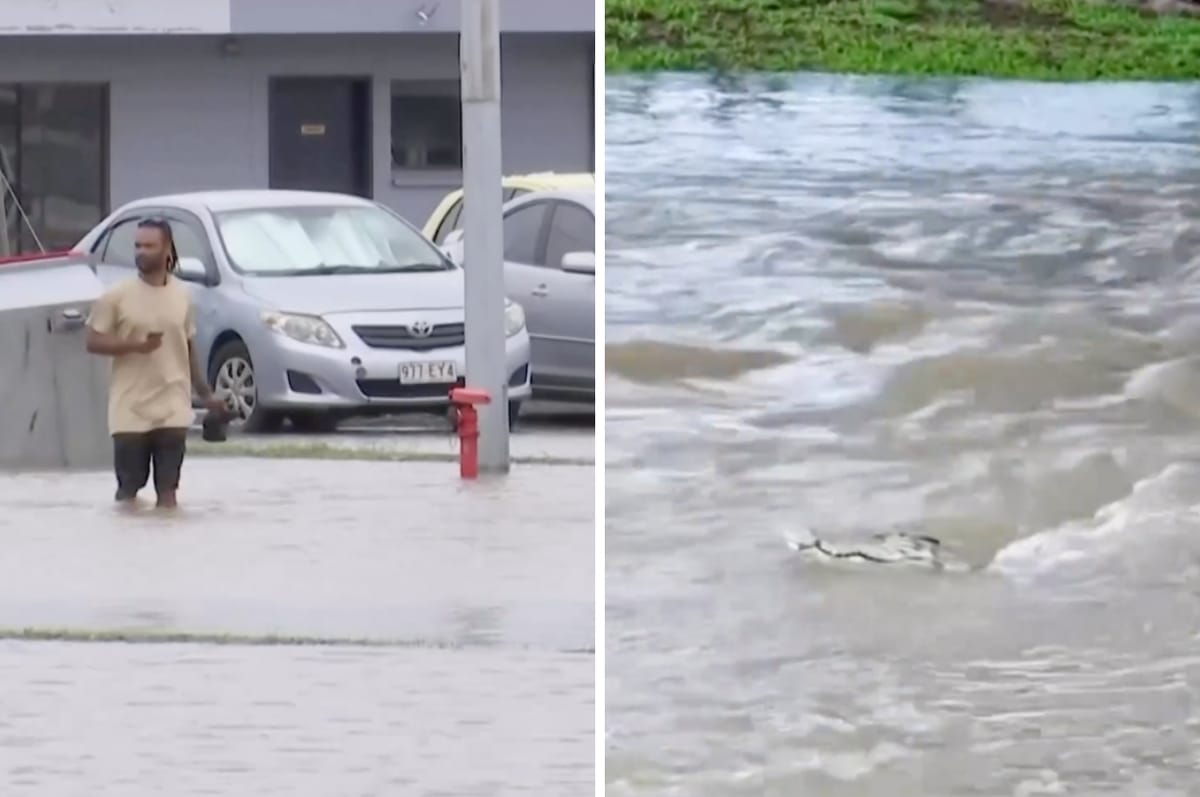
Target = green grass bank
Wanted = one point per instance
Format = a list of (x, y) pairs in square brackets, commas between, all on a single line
[(1030, 39), (317, 450)]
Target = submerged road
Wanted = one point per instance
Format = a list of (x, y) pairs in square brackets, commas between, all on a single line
[(301, 626)]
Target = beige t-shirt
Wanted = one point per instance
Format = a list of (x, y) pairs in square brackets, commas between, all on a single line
[(148, 391)]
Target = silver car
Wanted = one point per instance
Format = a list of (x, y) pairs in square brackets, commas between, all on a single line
[(550, 269), (314, 306)]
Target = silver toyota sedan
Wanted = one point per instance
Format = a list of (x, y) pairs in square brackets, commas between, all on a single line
[(314, 306)]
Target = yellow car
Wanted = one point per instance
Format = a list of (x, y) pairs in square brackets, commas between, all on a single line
[(447, 216)]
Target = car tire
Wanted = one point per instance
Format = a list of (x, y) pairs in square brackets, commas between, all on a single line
[(233, 370)]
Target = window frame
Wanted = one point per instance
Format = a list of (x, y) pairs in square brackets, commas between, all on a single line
[(173, 216), (208, 258), (449, 222), (454, 215), (100, 248), (22, 242), (419, 89), (539, 250), (558, 205)]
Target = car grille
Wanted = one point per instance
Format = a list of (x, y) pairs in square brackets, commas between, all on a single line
[(443, 336), (394, 389)]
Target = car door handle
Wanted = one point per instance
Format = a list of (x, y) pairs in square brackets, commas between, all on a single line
[(68, 320), (541, 291)]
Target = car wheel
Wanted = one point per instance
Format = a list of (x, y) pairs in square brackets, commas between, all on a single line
[(314, 422), (233, 376)]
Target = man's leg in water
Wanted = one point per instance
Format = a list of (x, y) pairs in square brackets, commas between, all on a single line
[(131, 463), (167, 449)]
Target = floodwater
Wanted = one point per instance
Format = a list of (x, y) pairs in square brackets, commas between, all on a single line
[(849, 306), (444, 632)]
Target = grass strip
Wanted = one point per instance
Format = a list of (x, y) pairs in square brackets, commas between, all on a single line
[(1029, 39), (375, 454), (243, 640)]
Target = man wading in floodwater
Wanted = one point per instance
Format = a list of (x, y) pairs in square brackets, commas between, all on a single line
[(145, 324)]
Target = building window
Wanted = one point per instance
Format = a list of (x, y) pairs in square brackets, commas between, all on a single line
[(53, 164), (426, 125)]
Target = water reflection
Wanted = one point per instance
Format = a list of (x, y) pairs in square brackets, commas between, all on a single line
[(369, 628), (124, 719)]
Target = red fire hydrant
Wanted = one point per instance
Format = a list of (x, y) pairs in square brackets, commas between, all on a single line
[(464, 400)]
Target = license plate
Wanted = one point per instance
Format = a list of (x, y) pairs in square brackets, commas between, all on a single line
[(432, 373)]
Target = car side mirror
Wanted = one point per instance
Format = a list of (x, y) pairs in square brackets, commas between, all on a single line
[(191, 269), (579, 262)]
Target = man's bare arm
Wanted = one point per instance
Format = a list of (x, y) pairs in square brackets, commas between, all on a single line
[(102, 326), (199, 380), (111, 345)]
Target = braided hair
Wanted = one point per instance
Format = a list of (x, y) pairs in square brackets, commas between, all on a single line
[(164, 227)]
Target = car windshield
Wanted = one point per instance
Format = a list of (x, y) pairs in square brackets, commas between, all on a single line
[(298, 241)]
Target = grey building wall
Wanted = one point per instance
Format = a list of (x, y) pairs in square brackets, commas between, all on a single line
[(184, 115), (150, 17), (322, 16)]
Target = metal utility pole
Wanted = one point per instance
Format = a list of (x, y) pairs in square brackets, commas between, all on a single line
[(483, 240)]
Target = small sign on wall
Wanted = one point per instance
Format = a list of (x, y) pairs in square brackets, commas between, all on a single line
[(312, 129)]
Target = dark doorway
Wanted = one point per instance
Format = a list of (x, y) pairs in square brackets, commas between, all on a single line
[(321, 134)]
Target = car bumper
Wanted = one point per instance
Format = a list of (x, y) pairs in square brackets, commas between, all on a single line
[(294, 375)]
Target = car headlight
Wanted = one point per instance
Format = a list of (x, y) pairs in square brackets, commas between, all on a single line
[(514, 318), (304, 328)]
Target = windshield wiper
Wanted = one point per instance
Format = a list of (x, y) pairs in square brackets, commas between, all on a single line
[(338, 269), (420, 267), (346, 268)]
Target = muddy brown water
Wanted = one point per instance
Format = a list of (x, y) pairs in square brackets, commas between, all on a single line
[(858, 305)]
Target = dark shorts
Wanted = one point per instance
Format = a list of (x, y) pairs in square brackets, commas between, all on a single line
[(133, 454)]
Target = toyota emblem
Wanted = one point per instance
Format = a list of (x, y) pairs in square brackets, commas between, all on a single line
[(420, 329)]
